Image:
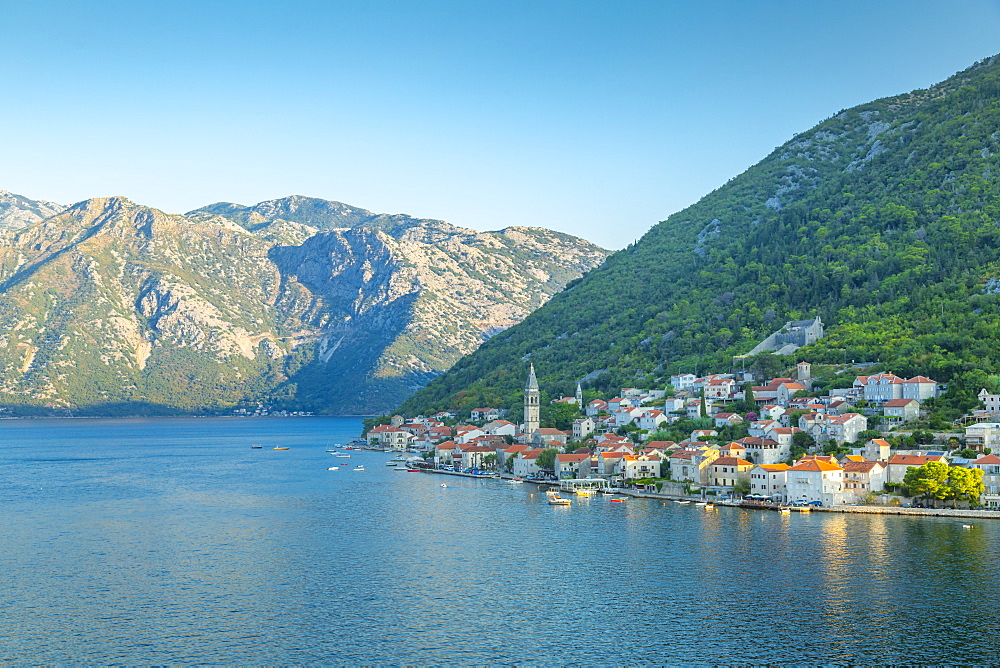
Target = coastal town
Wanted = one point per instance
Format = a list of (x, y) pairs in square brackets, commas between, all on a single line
[(792, 449)]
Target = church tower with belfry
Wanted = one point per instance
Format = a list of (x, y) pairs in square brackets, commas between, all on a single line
[(531, 404)]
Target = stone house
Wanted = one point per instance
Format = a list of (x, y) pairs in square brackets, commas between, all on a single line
[(725, 471), (861, 478), (899, 411)]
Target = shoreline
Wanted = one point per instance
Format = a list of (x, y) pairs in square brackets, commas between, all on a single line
[(858, 510)]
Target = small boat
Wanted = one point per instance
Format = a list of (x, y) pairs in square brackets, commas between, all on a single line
[(709, 505), (682, 502), (785, 510), (700, 503), (586, 492), (618, 500), (279, 448), (443, 485), (555, 499), (359, 468), (344, 456), (515, 481), (256, 447), (413, 470), (333, 468)]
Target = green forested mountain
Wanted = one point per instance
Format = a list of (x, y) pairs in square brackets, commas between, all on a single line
[(883, 219)]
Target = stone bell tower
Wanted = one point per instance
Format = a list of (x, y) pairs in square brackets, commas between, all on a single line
[(531, 404)]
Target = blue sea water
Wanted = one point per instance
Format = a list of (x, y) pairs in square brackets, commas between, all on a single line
[(172, 541)]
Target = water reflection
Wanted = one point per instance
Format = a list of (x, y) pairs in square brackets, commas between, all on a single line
[(213, 553)]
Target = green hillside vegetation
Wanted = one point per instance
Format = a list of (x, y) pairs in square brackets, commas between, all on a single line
[(883, 220)]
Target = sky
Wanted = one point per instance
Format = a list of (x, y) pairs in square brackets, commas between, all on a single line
[(598, 119)]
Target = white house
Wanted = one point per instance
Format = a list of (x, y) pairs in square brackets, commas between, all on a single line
[(990, 466), (651, 420), (596, 407), (683, 381), (816, 480), (991, 401), (983, 435), (765, 450), (582, 428), (525, 465), (769, 480), (500, 428), (640, 466)]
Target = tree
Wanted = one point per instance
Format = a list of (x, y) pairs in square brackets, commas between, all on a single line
[(702, 408), (748, 394), (929, 481), (558, 416), (966, 484), (490, 460), (546, 459), (741, 487)]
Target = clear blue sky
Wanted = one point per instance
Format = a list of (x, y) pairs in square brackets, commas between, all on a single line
[(594, 118)]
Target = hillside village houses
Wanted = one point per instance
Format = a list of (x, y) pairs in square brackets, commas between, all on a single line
[(596, 446)]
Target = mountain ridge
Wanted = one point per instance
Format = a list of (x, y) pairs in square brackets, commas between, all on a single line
[(111, 303)]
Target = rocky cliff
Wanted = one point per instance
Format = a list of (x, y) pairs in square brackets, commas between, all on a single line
[(299, 303)]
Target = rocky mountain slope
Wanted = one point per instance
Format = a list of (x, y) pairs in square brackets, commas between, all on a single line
[(17, 211), (299, 303), (883, 219)]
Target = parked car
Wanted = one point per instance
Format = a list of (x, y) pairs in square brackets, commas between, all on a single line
[(815, 503), (798, 503)]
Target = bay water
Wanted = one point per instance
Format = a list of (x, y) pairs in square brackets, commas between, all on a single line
[(173, 541)]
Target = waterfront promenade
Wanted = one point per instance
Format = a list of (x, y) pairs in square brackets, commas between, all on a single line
[(864, 510)]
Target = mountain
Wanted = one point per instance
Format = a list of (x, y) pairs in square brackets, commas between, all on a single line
[(111, 306), (883, 219), (17, 211)]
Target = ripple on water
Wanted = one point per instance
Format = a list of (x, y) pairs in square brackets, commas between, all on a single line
[(174, 542)]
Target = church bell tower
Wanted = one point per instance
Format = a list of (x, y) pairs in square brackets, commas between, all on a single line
[(531, 404)]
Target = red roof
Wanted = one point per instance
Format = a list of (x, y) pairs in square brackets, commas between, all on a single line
[(898, 403), (915, 460), (859, 467), (815, 465), (731, 461)]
